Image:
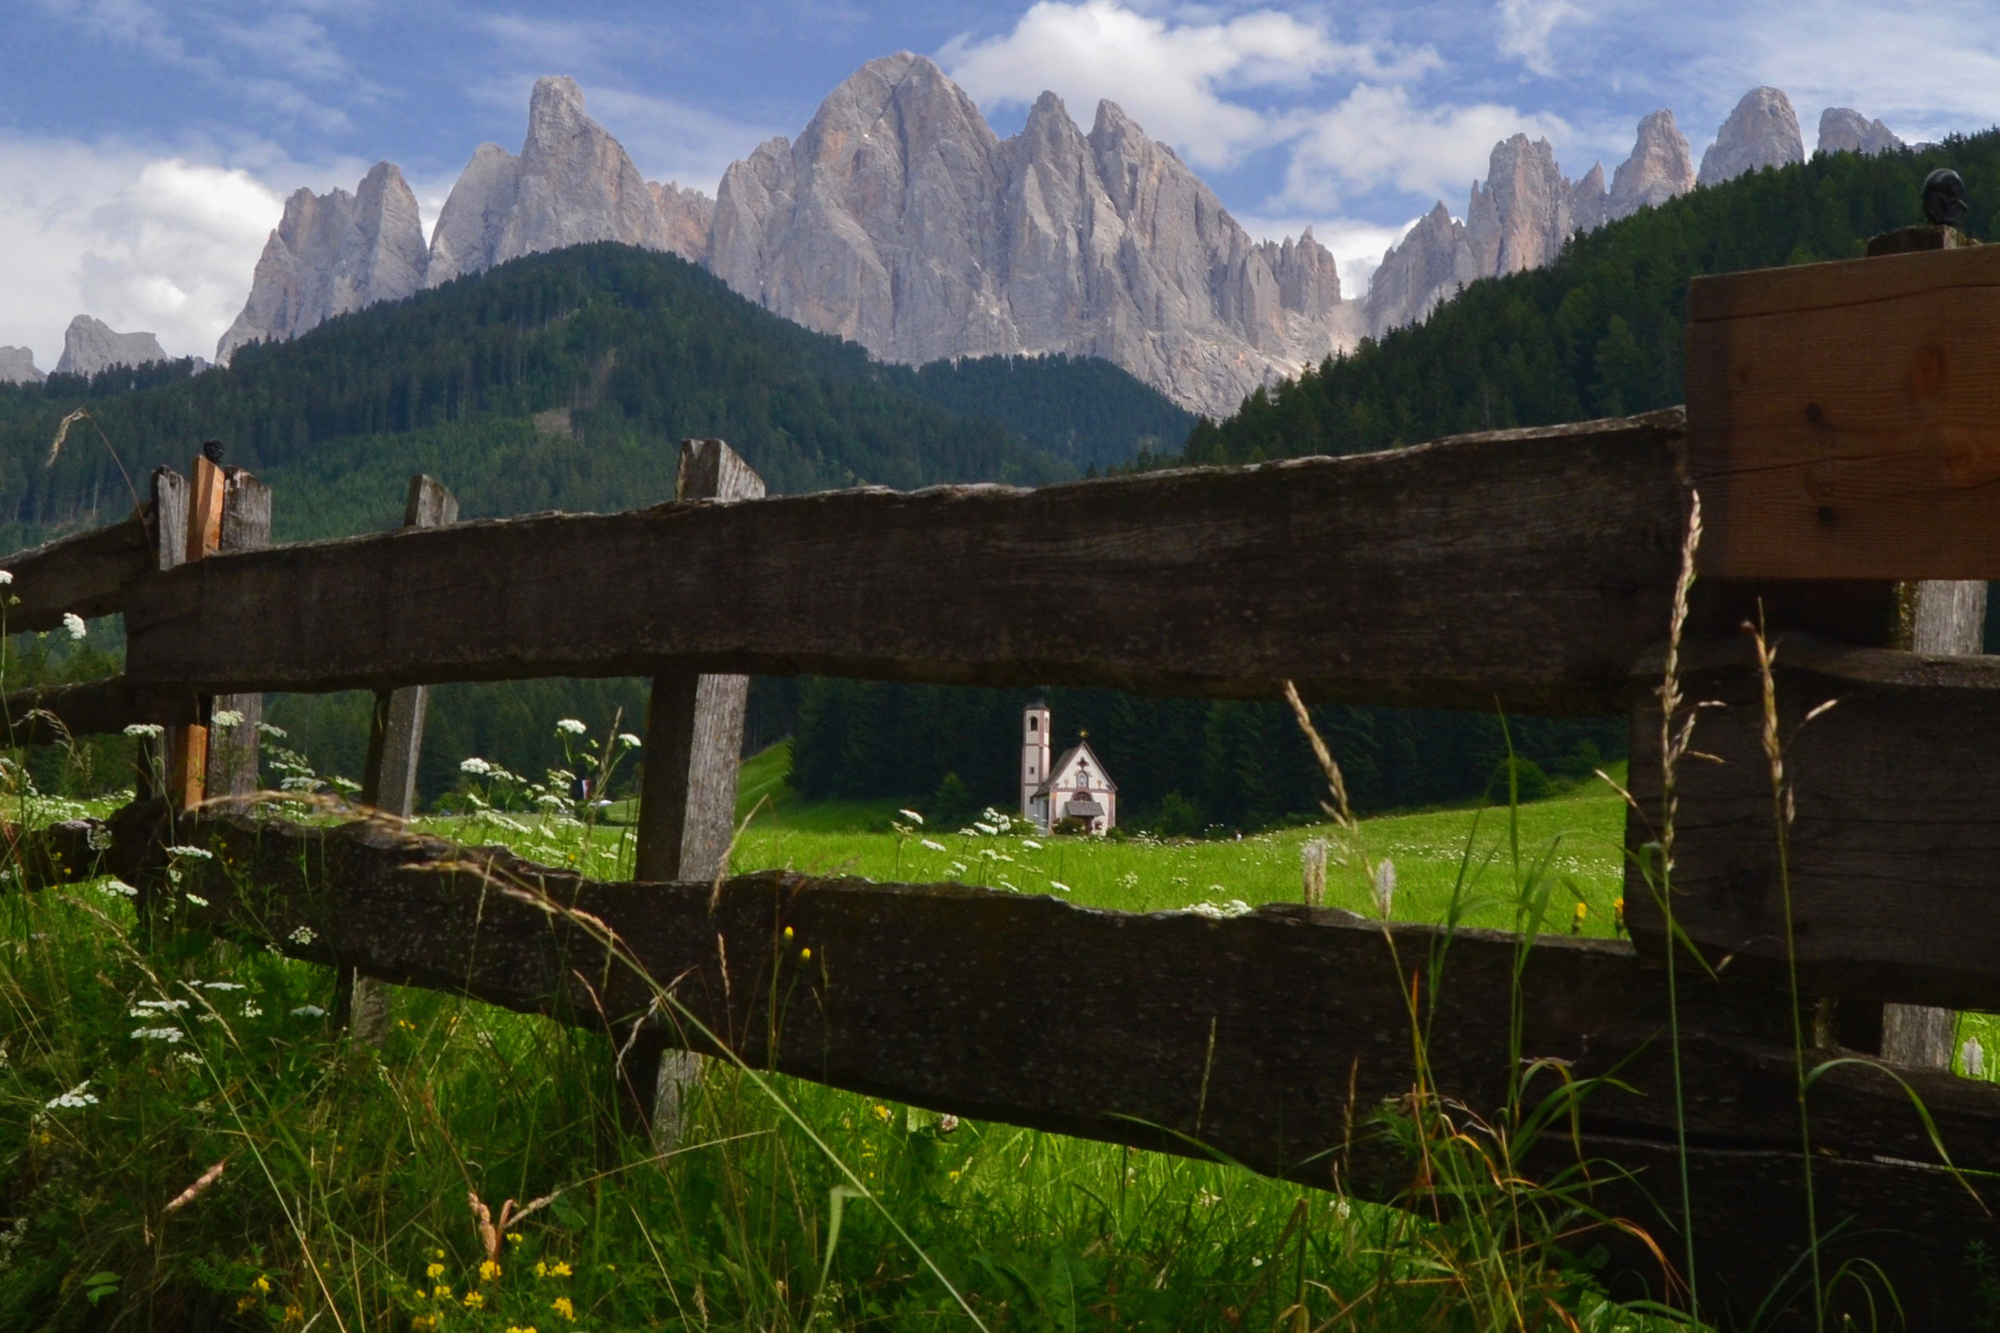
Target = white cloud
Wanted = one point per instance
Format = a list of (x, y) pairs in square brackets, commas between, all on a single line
[(1528, 26), (1378, 137), (141, 241), (1170, 77), (1356, 245)]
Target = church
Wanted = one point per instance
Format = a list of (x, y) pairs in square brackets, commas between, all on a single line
[(1074, 786)]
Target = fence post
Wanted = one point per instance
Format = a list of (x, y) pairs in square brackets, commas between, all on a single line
[(187, 774), (395, 741), (232, 752), (169, 534), (687, 794)]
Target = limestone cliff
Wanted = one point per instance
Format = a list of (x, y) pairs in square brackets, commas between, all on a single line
[(1761, 132), (91, 345), (17, 366)]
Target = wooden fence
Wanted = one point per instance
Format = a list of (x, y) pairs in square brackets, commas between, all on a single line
[(1529, 570)]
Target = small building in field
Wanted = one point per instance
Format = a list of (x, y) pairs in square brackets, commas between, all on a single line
[(1073, 785)]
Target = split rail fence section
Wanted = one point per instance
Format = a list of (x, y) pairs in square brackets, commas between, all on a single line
[(1840, 434)]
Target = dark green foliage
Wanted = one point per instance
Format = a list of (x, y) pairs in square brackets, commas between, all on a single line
[(1528, 781), (1598, 333), (1085, 412), (1179, 817), (951, 806), (1236, 764)]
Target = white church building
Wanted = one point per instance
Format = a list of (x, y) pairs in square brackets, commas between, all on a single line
[(1073, 786)]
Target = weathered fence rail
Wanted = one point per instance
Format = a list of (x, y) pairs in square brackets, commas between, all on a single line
[(1530, 570)]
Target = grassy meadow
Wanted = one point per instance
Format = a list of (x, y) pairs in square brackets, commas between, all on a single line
[(186, 1142)]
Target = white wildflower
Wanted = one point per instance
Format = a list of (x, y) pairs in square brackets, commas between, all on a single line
[(74, 624), (220, 985), (5, 578), (957, 867), (168, 1035), (476, 766), (251, 1009), (98, 839), (1385, 887), (1031, 844), (928, 845), (118, 888), (1972, 1056), (629, 741), (912, 816), (198, 853), (308, 1011), (196, 899), (1221, 911), (572, 726), (145, 730), (1129, 880), (1058, 886), (225, 717), (154, 1008), (303, 935), (988, 829), (72, 1100), (270, 730), (348, 785), (188, 1057)]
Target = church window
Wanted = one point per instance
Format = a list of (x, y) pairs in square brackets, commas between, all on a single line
[(1034, 724)]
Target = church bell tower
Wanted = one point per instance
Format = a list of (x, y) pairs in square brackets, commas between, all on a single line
[(1034, 760)]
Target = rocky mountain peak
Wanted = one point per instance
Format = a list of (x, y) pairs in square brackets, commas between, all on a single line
[(91, 345), (1842, 129), (17, 366), (1661, 167), (331, 254), (1762, 131)]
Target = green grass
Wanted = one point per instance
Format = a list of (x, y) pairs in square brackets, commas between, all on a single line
[(344, 1202), (1582, 834)]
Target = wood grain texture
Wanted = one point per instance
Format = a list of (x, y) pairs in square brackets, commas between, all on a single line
[(1031, 1011), (153, 757), (94, 708), (187, 763), (88, 573), (1818, 461), (1895, 883), (233, 750), (1525, 567)]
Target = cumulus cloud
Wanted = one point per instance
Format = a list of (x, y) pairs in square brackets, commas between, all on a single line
[(1356, 245), (162, 244), (1528, 26), (1171, 77), (1379, 136)]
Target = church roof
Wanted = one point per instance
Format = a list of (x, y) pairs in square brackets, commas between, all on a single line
[(1101, 779)]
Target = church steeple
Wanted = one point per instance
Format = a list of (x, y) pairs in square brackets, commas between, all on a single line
[(1035, 751)]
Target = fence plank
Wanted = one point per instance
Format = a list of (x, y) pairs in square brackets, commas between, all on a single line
[(1272, 1038), (1524, 566), (187, 762), (1893, 889), (395, 744), (88, 573)]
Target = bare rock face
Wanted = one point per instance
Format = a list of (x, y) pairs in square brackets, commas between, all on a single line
[(572, 183), (331, 254), (1761, 132), (17, 366), (1661, 167), (899, 220), (1430, 265), (1518, 218), (1842, 129), (1589, 204), (91, 345)]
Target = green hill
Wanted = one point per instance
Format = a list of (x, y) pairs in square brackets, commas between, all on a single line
[(563, 380), (1597, 333)]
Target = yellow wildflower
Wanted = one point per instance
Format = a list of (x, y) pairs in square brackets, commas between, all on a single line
[(882, 1113), (423, 1323), (475, 1300), (513, 1238), (561, 1305), (516, 1328), (434, 1272), (788, 932), (245, 1304), (488, 1270), (440, 1292), (262, 1285), (806, 952), (294, 1314), (559, 1269)]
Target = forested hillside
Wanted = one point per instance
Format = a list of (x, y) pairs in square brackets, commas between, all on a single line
[(1597, 333), (562, 380)]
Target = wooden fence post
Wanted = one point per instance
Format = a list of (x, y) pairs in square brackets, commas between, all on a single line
[(169, 541), (395, 742), (187, 773), (232, 751), (687, 795)]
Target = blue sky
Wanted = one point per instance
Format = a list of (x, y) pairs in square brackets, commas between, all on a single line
[(146, 145)]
